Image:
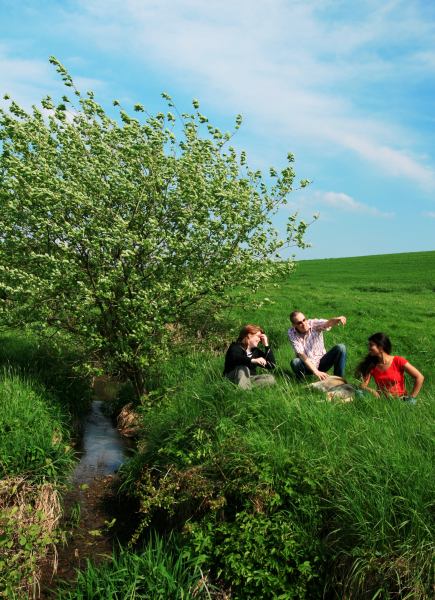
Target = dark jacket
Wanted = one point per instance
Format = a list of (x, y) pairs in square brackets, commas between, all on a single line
[(236, 357)]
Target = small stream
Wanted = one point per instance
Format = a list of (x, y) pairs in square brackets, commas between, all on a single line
[(103, 449), (94, 505)]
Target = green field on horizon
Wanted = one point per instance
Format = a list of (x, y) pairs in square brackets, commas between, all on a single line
[(410, 264)]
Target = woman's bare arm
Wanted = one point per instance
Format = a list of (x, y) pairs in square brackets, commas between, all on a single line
[(365, 386), (418, 378)]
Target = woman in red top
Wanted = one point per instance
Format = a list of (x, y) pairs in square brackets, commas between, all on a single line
[(388, 371)]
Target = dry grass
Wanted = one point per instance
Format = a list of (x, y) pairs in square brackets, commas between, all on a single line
[(29, 516)]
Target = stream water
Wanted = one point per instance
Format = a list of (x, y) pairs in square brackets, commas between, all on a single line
[(103, 449), (102, 452)]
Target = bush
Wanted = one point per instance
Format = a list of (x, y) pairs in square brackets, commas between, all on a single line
[(259, 555)]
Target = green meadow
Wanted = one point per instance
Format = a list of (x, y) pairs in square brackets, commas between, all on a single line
[(276, 492), (391, 293)]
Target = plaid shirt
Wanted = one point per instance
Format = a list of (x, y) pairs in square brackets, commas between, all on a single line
[(310, 343)]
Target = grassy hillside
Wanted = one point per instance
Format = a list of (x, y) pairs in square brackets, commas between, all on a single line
[(393, 293), (277, 493)]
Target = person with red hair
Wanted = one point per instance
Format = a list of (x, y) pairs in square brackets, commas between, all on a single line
[(244, 356)]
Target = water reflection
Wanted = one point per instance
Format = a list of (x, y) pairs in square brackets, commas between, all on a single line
[(104, 450)]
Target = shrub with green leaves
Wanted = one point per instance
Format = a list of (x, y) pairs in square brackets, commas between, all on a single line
[(113, 229), (259, 555), (261, 535)]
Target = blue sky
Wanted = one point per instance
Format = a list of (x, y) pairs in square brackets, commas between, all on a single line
[(348, 88)]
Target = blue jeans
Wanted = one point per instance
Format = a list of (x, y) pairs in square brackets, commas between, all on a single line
[(336, 357)]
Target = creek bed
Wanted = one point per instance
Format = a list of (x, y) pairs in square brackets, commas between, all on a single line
[(103, 449)]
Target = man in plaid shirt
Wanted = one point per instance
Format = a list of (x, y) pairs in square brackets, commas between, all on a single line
[(306, 337)]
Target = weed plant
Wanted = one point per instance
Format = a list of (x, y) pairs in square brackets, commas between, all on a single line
[(29, 516)]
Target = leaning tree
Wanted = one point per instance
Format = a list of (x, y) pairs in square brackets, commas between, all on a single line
[(113, 228)]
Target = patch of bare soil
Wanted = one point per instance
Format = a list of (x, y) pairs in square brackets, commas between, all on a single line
[(94, 517)]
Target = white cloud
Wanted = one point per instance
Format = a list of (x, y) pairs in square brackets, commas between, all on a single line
[(393, 161), (343, 202), (430, 214), (298, 69)]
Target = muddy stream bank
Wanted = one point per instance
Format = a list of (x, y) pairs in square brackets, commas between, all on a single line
[(94, 514)]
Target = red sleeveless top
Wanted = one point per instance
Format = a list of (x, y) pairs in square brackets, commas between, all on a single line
[(391, 381)]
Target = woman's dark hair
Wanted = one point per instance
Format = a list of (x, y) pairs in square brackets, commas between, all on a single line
[(367, 364), (245, 331)]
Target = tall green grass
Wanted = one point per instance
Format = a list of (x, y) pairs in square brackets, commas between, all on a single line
[(158, 571), (41, 399), (51, 366), (358, 478), (278, 493), (34, 440)]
